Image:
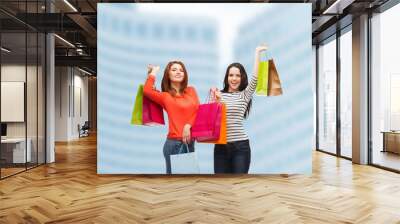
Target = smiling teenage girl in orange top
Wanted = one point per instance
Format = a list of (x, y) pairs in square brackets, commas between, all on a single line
[(179, 100)]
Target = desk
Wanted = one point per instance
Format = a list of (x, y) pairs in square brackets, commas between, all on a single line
[(391, 141), (16, 147)]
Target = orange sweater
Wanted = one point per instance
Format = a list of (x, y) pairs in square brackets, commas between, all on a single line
[(181, 109)]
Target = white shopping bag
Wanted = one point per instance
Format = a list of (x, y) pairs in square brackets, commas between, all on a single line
[(185, 162)]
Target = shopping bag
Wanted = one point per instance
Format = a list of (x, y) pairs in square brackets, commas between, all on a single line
[(137, 111), (262, 83), (207, 125), (185, 162), (152, 113), (268, 83), (274, 83), (222, 133)]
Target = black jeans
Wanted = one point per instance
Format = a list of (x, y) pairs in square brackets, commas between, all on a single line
[(233, 157), (171, 147)]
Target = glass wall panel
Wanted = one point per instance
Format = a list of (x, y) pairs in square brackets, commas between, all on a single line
[(346, 94), (22, 88), (327, 96), (14, 152)]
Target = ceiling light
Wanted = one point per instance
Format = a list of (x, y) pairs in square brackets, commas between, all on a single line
[(70, 5), (65, 41), (5, 49)]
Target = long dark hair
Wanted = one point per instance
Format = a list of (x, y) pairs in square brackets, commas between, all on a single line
[(166, 82), (243, 83)]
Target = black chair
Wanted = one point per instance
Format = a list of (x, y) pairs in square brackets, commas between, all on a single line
[(84, 130)]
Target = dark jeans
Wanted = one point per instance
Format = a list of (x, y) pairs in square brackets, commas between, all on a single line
[(233, 157), (171, 147)]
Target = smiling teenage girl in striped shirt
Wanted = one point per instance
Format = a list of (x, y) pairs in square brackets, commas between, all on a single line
[(234, 157)]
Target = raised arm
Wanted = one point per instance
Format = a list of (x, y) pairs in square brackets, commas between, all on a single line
[(149, 90), (250, 89)]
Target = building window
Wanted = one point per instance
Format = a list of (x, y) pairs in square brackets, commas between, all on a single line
[(327, 96), (385, 89), (346, 94)]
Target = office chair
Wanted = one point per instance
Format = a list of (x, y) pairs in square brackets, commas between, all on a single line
[(84, 130)]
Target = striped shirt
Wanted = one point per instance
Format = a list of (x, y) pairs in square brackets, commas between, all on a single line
[(236, 105)]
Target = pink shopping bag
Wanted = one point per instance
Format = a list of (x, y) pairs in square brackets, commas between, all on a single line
[(207, 125), (152, 113)]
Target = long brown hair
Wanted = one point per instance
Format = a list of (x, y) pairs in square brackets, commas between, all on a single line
[(243, 83), (166, 82)]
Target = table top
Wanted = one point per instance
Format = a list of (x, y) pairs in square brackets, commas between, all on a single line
[(13, 140)]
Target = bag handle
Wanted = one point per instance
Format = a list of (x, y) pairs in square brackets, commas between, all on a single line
[(264, 56), (184, 145), (210, 97)]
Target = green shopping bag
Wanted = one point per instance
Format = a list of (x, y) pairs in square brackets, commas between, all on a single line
[(138, 108), (262, 83)]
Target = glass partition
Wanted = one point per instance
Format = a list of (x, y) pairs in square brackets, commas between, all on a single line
[(327, 96), (22, 88), (346, 93), (14, 153)]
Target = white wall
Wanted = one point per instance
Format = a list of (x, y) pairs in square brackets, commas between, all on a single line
[(16, 73), (61, 103), (71, 93)]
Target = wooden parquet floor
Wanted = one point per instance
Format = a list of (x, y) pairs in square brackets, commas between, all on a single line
[(70, 191)]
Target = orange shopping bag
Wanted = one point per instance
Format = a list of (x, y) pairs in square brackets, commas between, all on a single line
[(222, 133)]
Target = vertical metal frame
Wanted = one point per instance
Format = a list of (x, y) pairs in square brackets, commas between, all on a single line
[(45, 89), (317, 96), (0, 95), (73, 91), (338, 82), (69, 92), (37, 91), (369, 81), (26, 86)]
